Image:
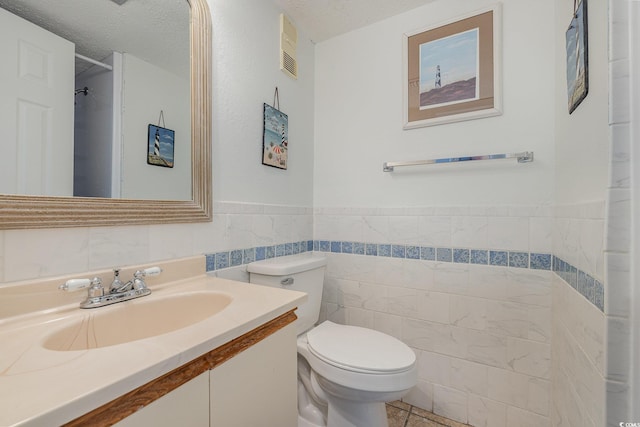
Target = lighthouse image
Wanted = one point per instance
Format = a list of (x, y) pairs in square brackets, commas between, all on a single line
[(275, 141)]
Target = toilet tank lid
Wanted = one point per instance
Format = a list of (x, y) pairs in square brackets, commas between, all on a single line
[(282, 266)]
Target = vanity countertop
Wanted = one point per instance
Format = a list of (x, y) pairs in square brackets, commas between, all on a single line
[(42, 387)]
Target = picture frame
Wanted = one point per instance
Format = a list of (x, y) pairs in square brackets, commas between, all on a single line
[(160, 146), (452, 70), (577, 44), (275, 138)]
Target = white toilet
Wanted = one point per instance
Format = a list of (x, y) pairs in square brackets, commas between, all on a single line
[(345, 373)]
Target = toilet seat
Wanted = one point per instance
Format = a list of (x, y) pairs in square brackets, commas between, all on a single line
[(365, 378), (359, 349)]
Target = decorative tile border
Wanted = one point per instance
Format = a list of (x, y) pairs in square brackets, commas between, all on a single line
[(517, 259), (587, 286), (536, 261), (237, 257)]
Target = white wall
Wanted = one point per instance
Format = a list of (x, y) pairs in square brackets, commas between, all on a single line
[(359, 118), (245, 74), (147, 90), (582, 137)]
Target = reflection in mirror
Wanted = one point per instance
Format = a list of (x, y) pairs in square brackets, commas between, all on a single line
[(38, 211), (91, 76)]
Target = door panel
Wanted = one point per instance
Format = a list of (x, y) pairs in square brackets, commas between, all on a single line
[(36, 109)]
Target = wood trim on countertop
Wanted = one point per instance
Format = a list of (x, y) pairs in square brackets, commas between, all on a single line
[(129, 403)]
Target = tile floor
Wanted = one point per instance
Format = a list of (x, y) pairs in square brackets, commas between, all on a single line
[(402, 414)]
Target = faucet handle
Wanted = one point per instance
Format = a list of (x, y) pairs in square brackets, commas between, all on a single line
[(151, 271), (76, 284), (138, 282)]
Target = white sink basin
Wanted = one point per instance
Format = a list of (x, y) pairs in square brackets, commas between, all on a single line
[(137, 319)]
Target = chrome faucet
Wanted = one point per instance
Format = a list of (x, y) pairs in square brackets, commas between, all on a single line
[(118, 291), (116, 284)]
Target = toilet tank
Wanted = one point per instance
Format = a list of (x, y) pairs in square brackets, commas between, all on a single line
[(303, 272)]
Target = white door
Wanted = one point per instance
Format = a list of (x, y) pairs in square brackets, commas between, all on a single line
[(36, 109)]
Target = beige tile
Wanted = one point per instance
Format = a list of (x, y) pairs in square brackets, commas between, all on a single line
[(415, 421), (397, 417), (400, 404), (422, 413), (402, 414), (437, 419)]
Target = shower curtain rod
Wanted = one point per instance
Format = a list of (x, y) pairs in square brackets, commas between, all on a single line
[(93, 61)]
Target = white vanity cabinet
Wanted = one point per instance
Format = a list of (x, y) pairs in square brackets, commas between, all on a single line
[(186, 406), (258, 387)]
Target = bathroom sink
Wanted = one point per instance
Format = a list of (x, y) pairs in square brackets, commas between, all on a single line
[(137, 319)]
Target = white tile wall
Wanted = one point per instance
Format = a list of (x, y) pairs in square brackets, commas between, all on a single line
[(578, 357), (482, 334), (618, 230), (450, 403), (518, 228), (50, 252), (579, 342), (28, 254), (579, 237), (485, 412)]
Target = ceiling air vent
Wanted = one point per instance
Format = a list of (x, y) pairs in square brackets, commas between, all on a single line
[(288, 42)]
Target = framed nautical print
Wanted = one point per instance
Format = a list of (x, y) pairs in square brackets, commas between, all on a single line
[(160, 146), (452, 70), (275, 138), (577, 57)]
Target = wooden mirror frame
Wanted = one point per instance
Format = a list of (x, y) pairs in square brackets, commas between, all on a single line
[(21, 212)]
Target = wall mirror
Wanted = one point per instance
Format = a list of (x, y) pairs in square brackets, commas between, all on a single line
[(24, 208)]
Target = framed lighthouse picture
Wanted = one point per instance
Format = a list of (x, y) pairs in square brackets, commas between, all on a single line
[(452, 70), (275, 138), (577, 57), (160, 146)]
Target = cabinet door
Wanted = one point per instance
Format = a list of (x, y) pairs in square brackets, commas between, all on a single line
[(186, 406), (258, 387)]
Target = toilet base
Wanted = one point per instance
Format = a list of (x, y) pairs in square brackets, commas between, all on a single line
[(366, 417), (306, 423), (357, 414)]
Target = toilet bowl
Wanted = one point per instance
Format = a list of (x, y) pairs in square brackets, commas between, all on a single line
[(357, 370), (345, 373)]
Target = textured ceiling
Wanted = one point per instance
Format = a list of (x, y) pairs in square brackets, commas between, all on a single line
[(323, 19), (157, 32)]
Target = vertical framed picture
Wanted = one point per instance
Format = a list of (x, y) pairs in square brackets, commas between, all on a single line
[(275, 138), (160, 146), (453, 70), (577, 58)]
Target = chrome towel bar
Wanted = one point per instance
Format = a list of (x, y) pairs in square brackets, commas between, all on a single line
[(523, 157)]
